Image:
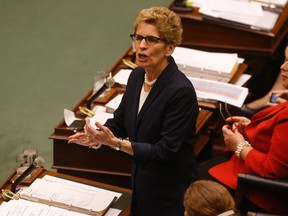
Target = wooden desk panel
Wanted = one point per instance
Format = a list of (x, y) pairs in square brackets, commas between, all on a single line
[(123, 203)]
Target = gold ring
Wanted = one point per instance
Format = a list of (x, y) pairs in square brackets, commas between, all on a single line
[(97, 146)]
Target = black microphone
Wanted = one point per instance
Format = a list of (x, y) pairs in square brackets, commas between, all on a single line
[(36, 163)]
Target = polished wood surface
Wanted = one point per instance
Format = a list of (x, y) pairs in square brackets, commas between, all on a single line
[(123, 203), (262, 50)]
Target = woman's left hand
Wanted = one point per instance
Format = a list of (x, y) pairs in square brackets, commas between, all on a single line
[(92, 137), (232, 137), (103, 135)]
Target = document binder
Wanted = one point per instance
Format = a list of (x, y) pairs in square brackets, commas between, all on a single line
[(69, 195), (206, 65)]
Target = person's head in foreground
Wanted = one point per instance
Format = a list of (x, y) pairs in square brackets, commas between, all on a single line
[(208, 198)]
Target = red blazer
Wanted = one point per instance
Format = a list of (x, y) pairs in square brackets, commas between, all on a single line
[(268, 134)]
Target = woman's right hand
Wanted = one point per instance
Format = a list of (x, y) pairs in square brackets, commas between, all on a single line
[(239, 122), (81, 138), (232, 138)]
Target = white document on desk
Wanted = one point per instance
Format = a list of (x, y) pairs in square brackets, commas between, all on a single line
[(219, 91), (278, 3), (69, 117), (122, 76), (113, 104), (111, 211), (28, 208), (244, 12), (64, 195), (208, 65), (100, 116), (80, 185)]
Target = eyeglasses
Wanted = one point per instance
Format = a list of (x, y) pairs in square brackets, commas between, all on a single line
[(222, 110), (150, 40)]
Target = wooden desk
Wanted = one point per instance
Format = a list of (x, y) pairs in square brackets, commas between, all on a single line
[(106, 164), (263, 51), (123, 203)]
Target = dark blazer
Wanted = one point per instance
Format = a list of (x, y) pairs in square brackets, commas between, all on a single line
[(162, 136)]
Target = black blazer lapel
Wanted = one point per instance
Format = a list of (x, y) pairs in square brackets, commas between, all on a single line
[(157, 88)]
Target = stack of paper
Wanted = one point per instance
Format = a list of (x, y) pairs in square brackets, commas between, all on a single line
[(269, 3), (122, 76), (219, 91), (207, 65), (272, 3), (100, 116), (243, 12), (55, 196), (113, 104)]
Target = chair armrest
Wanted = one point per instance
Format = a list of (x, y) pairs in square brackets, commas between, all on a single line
[(274, 184), (246, 180), (260, 214)]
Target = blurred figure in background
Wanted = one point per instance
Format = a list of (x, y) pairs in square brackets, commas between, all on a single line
[(251, 108)]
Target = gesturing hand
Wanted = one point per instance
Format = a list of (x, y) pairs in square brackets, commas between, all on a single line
[(81, 139), (103, 135)]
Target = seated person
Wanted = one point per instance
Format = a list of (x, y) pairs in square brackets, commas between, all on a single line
[(208, 198), (263, 102), (260, 147)]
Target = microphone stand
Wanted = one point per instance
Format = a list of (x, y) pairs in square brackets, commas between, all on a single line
[(97, 94), (107, 85), (36, 163)]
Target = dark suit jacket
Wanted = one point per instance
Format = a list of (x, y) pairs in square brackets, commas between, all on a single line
[(162, 137)]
